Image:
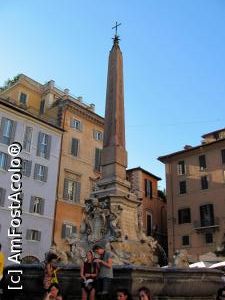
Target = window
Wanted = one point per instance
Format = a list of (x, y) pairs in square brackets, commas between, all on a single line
[(148, 188), (181, 168), (37, 205), (202, 162), (40, 172), (184, 215), (185, 240), (68, 230), (204, 182), (75, 147), (33, 235), (26, 167), (75, 124), (223, 155), (71, 191), (7, 131), (98, 153), (4, 161), (208, 238), (27, 139), (98, 135), (149, 224), (44, 145), (42, 107), (207, 215), (183, 188), (23, 98), (2, 196)]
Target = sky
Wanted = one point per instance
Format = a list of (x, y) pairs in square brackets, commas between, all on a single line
[(174, 63)]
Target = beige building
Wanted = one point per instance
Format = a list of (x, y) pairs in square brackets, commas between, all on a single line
[(195, 182)]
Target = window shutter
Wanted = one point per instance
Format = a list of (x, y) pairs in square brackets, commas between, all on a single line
[(40, 136), (223, 155), (49, 140), (13, 131), (28, 234), (42, 206), (28, 169), (74, 229), (36, 167), (77, 192), (2, 196), (81, 126), (146, 188), (150, 189), (45, 174), (7, 161), (98, 158), (65, 191), (38, 236), (32, 204), (1, 128), (63, 231), (74, 147)]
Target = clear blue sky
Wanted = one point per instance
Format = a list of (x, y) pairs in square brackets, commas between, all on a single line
[(174, 63)]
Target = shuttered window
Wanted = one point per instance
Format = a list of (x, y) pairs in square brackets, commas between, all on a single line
[(26, 167), (68, 230), (223, 155), (183, 187), (75, 147), (98, 153), (98, 135), (40, 172), (202, 162), (76, 124), (33, 235), (37, 205), (71, 191), (204, 182), (148, 189), (4, 161), (181, 168), (2, 196), (44, 145), (7, 131), (207, 215), (184, 215), (23, 98)]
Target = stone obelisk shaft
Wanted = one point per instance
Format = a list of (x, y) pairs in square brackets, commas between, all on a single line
[(114, 155)]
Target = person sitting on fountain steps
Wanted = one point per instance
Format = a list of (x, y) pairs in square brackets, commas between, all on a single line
[(105, 273), (88, 273)]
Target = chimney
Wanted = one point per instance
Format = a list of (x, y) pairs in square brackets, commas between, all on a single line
[(186, 147)]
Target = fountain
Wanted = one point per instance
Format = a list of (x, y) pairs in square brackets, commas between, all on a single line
[(112, 217)]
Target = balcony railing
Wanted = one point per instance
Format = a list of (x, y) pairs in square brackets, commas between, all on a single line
[(200, 226)]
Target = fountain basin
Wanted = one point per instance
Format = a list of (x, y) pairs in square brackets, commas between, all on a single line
[(164, 283)]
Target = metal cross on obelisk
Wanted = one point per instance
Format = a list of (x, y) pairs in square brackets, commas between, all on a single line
[(116, 27)]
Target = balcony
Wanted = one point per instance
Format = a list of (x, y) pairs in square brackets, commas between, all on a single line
[(207, 226)]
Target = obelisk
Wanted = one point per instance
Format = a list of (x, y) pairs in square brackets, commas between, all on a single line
[(113, 183)]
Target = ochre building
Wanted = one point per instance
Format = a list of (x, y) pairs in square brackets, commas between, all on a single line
[(195, 183)]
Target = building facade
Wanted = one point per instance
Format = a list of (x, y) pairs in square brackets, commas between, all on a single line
[(80, 151), (153, 206), (195, 182), (40, 160)]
